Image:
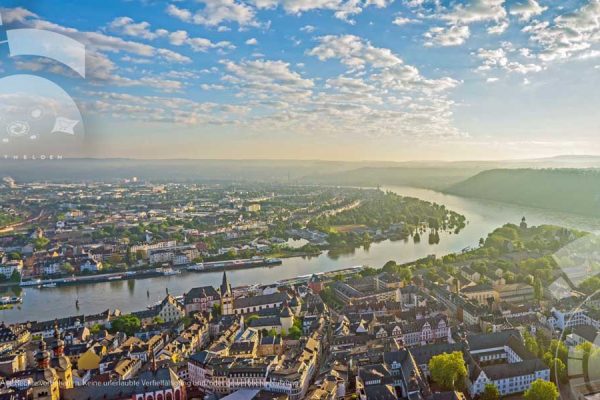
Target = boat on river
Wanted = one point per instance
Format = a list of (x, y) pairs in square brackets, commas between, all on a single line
[(33, 282), (234, 264), (10, 300)]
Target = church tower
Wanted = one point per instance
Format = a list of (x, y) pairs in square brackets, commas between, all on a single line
[(47, 387), (226, 296), (523, 224), (60, 362)]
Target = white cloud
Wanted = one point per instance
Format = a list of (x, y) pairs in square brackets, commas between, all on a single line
[(207, 86), (499, 59), (178, 38), (266, 75), (343, 9), (476, 11), (527, 9), (447, 36), (216, 12), (458, 17), (100, 42), (127, 26), (16, 15), (353, 51), (400, 20), (568, 34), (179, 13), (307, 29), (100, 69), (252, 42)]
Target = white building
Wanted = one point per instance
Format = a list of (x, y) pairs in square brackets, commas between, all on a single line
[(9, 267), (501, 359)]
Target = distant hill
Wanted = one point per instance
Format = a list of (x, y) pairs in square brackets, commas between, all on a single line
[(568, 190), (424, 177), (426, 174), (88, 169)]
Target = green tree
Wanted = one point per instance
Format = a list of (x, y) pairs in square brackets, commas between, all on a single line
[(541, 390), (15, 277), (558, 371), (405, 274), (272, 332), (538, 290), (68, 268), (490, 392), (531, 343), (294, 333), (129, 324), (448, 370), (559, 349), (389, 266), (41, 243)]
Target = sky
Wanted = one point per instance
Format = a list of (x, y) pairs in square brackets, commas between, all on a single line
[(388, 80)]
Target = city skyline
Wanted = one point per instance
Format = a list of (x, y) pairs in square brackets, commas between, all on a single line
[(332, 80)]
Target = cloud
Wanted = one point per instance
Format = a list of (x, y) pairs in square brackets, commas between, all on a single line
[(458, 18), (400, 20), (476, 11), (343, 10), (568, 34), (307, 29), (163, 109), (100, 69), (179, 13), (101, 42), (16, 15), (216, 12), (178, 38), (181, 37), (353, 51), (379, 94), (448, 36), (252, 42), (499, 59), (267, 77), (527, 9), (126, 26)]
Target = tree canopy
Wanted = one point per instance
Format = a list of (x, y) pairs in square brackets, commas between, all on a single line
[(490, 392), (541, 390), (448, 370), (129, 324)]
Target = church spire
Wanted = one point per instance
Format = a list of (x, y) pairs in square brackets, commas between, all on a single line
[(59, 344), (225, 286), (42, 356)]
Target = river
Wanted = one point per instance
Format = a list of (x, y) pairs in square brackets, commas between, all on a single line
[(483, 216)]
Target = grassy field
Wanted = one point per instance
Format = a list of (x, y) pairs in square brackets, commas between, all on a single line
[(347, 228)]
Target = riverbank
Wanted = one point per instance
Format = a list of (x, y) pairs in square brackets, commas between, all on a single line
[(132, 295), (148, 273)]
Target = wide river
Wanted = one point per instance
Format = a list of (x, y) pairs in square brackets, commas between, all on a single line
[(482, 216)]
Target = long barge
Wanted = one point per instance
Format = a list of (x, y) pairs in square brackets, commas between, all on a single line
[(234, 264)]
